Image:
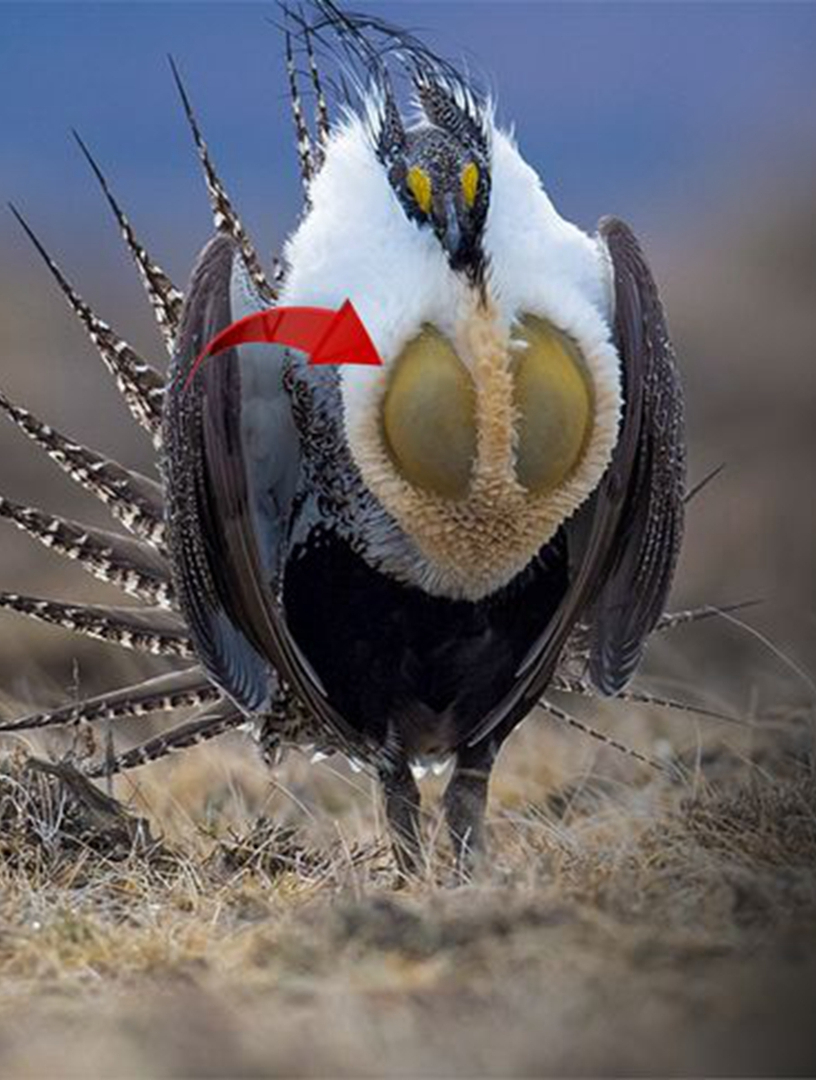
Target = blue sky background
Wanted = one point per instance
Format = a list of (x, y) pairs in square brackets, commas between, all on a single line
[(639, 108)]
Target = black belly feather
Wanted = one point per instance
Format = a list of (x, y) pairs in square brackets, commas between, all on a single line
[(393, 658)]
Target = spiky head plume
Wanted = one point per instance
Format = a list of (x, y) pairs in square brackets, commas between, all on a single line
[(438, 162)]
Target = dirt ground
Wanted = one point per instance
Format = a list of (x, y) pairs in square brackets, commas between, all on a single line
[(630, 923)]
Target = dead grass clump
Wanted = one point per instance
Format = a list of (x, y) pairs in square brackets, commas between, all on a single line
[(268, 849), (49, 812), (58, 828), (764, 822), (737, 856)]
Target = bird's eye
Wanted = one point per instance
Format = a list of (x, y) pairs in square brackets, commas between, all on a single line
[(470, 183), (419, 184)]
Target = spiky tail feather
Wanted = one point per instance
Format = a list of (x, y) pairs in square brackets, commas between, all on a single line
[(701, 485), (165, 299), (600, 736), (224, 215), (673, 619), (302, 139), (575, 656), (179, 690), (322, 122), (148, 630), (214, 721), (566, 685), (133, 499), (120, 560), (141, 385)]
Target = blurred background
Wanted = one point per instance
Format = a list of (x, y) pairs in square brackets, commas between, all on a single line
[(695, 122)]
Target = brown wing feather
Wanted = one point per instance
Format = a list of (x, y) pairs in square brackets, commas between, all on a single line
[(236, 622), (652, 467)]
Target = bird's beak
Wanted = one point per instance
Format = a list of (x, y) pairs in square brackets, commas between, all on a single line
[(449, 231)]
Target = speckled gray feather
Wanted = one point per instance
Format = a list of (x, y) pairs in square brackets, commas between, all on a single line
[(649, 467), (216, 520)]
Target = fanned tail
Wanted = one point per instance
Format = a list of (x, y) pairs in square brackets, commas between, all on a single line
[(214, 721), (224, 215), (179, 690), (133, 499), (148, 630), (141, 385), (165, 299), (129, 564)]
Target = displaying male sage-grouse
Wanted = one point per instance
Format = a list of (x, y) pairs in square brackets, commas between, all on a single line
[(393, 562)]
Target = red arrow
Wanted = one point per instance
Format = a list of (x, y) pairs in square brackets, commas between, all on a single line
[(330, 337)]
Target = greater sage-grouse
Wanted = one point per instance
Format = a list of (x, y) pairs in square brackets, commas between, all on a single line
[(394, 562)]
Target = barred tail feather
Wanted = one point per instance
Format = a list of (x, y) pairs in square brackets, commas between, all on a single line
[(133, 499), (147, 630), (214, 721), (129, 564), (165, 299), (673, 619), (179, 690), (565, 685), (322, 122), (224, 215), (141, 385), (600, 736), (304, 142)]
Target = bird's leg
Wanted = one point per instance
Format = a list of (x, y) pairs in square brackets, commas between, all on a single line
[(465, 802), (402, 804)]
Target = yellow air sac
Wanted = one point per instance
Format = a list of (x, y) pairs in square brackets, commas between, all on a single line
[(553, 400), (429, 417)]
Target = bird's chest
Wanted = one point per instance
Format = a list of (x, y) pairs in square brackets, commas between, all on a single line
[(398, 662)]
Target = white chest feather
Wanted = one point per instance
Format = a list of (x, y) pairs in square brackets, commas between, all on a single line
[(357, 243)]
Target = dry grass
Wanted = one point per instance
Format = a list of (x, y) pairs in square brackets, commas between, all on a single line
[(630, 923)]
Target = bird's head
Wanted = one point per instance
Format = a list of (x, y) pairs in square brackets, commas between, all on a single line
[(437, 160), (439, 167), (444, 185)]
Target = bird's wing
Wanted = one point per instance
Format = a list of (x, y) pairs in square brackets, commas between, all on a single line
[(232, 465), (649, 467), (626, 539)]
